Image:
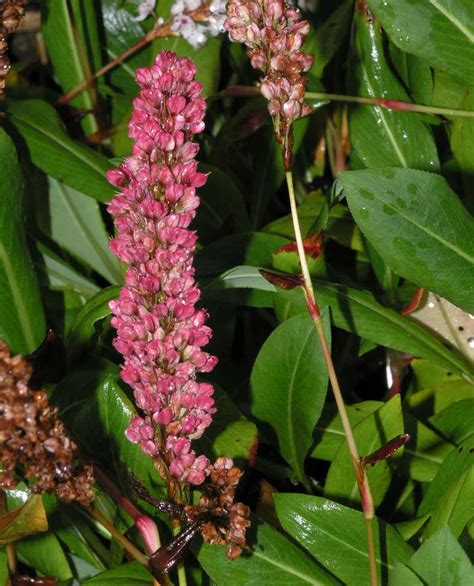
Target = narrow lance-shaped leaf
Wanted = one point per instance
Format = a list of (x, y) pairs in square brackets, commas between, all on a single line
[(352, 310), (64, 22), (382, 137), (289, 383), (22, 324), (74, 222), (56, 153)]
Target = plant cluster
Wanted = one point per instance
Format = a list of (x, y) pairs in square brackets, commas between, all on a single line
[(236, 274)]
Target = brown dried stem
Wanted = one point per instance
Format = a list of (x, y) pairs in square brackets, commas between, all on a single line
[(162, 29)]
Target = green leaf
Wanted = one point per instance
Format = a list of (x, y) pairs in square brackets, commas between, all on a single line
[(340, 225), (441, 561), (43, 552), (132, 574), (217, 213), (253, 248), (74, 222), (456, 422), (62, 35), (381, 137), (22, 323), (45, 555), (461, 136), (354, 311), (408, 529), (329, 433), (336, 537), (456, 508), (401, 575), (4, 574), (370, 435), (122, 31), (439, 31), (425, 451), (54, 152), (324, 42), (61, 276), (72, 530), (230, 434), (458, 460), (273, 560), (417, 77), (417, 224), (84, 328), (27, 519), (97, 411), (289, 382), (269, 171)]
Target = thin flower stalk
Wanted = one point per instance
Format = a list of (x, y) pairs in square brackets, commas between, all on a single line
[(274, 34)]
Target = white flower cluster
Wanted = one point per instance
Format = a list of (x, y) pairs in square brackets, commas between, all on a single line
[(145, 8), (196, 33)]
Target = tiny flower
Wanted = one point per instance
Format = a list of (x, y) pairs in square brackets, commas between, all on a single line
[(145, 8)]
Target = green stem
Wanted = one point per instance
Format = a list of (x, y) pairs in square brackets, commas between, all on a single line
[(389, 104), (361, 475), (182, 581), (124, 542)]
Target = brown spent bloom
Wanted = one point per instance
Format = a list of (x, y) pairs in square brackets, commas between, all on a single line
[(274, 34), (11, 13), (32, 436), (222, 521)]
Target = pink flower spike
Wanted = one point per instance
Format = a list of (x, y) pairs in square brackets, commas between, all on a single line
[(160, 332)]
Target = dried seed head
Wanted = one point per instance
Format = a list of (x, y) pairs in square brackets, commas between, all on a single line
[(11, 13), (222, 521), (32, 436)]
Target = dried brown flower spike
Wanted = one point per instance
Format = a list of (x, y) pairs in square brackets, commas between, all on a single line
[(32, 436), (222, 520), (11, 13)]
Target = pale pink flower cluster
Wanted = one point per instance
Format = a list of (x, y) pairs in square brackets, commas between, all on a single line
[(160, 332), (274, 33)]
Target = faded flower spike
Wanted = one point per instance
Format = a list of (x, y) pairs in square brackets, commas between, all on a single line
[(11, 13), (33, 437), (274, 34), (160, 332)]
